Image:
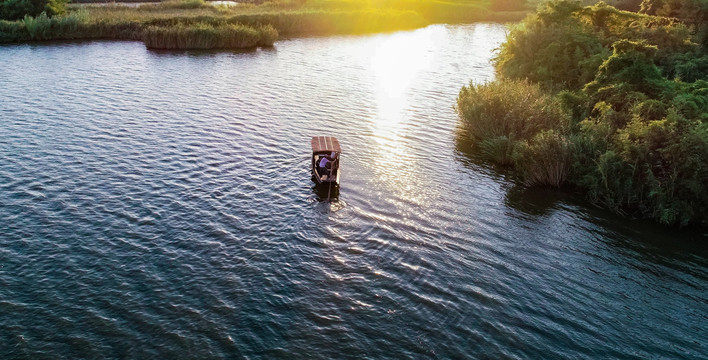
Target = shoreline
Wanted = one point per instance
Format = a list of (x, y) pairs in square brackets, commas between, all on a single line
[(196, 24)]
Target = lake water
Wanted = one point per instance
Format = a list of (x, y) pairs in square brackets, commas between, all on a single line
[(159, 205)]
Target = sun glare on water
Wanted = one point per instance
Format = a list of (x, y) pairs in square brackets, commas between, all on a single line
[(396, 65)]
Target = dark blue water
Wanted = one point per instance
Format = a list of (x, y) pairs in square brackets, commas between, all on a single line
[(159, 205)]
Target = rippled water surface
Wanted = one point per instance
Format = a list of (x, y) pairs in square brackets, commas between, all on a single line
[(159, 205)]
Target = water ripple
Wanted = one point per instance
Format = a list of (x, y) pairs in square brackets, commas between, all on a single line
[(158, 205)]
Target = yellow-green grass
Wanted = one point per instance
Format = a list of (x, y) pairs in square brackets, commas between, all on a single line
[(283, 18)]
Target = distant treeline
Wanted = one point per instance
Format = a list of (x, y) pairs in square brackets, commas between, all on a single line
[(183, 24), (150, 1), (611, 102), (112, 1)]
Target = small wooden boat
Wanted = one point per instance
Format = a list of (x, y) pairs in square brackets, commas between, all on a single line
[(325, 160)]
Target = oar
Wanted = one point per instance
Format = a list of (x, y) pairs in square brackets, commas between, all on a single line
[(330, 181)]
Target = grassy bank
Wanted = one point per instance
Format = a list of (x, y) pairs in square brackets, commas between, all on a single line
[(197, 24), (609, 102)]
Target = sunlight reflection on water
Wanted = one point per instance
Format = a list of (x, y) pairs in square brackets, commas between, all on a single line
[(396, 64)]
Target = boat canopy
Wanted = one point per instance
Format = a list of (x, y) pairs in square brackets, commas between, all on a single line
[(325, 144)]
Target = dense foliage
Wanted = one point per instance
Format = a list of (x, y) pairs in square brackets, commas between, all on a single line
[(18, 9), (633, 87)]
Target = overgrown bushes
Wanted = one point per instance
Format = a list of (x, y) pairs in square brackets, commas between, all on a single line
[(632, 89)]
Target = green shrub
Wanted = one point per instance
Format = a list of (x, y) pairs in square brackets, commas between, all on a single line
[(690, 67), (691, 12), (18, 9), (631, 66), (565, 32), (540, 50), (669, 157), (12, 31)]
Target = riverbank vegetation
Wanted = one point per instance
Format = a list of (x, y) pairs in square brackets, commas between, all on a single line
[(611, 102), (198, 24)]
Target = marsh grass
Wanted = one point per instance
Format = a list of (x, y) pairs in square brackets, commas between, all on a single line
[(498, 149), (207, 24), (181, 4), (38, 27), (44, 27), (545, 159), (516, 123), (515, 109), (206, 36)]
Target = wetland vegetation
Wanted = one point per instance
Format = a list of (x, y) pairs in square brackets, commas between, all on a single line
[(197, 24), (611, 102)]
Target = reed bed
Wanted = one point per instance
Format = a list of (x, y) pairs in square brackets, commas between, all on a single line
[(206, 36), (515, 109), (514, 123), (182, 4)]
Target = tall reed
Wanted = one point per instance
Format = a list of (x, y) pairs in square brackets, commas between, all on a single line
[(206, 36), (517, 110), (38, 27), (44, 27), (516, 123), (181, 4), (545, 159)]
